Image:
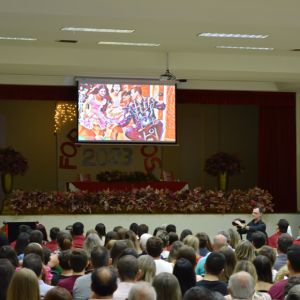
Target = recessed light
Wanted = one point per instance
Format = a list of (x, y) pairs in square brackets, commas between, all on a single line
[(98, 30), (128, 44), (245, 48), (16, 39), (233, 35)]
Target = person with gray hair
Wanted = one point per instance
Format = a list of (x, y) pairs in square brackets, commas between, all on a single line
[(227, 235), (142, 291), (143, 242), (294, 293), (241, 286), (91, 241)]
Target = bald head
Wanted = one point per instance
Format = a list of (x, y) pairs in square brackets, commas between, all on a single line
[(241, 285), (142, 291), (104, 281), (219, 242)]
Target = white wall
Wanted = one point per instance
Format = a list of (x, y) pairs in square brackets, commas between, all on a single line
[(209, 223)]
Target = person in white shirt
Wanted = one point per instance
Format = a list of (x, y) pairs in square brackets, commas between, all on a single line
[(34, 262), (154, 248), (128, 271)]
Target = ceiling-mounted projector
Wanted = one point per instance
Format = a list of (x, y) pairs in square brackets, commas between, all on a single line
[(167, 75)]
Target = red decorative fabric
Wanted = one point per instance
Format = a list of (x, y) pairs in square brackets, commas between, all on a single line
[(277, 155), (235, 98), (44, 93)]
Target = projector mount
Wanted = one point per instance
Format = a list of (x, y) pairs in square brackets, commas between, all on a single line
[(167, 75)]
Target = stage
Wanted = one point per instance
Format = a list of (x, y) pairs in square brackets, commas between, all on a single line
[(209, 223)]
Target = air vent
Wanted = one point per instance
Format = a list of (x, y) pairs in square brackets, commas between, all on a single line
[(295, 50), (67, 41)]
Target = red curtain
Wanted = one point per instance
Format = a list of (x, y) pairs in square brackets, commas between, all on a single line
[(276, 138)]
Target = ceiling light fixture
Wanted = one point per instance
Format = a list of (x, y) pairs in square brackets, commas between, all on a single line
[(97, 30), (128, 44), (233, 35), (16, 39), (245, 48)]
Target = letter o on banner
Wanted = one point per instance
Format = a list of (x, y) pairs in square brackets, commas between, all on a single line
[(62, 146), (149, 155)]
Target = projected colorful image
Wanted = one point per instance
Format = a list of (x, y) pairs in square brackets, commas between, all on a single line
[(126, 113)]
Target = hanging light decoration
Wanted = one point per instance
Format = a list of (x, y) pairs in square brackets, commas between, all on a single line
[(63, 113)]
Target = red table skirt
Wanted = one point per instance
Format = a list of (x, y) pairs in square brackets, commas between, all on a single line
[(125, 186)]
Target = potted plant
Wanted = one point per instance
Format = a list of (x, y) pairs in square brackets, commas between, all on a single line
[(222, 164), (12, 163)]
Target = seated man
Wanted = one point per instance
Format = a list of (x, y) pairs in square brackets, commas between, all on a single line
[(78, 263), (214, 266), (53, 235), (154, 248), (82, 287), (66, 269), (143, 242), (104, 283), (258, 240), (282, 227), (34, 262), (128, 271), (199, 293), (241, 286), (227, 235), (293, 264), (78, 230), (283, 243), (35, 237), (142, 291)]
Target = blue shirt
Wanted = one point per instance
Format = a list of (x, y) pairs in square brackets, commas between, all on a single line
[(200, 266), (21, 257)]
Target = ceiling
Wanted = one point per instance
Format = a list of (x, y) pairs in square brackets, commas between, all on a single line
[(172, 23)]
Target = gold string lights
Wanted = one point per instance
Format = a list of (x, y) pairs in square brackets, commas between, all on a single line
[(63, 113)]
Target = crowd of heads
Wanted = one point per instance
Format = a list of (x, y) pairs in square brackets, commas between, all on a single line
[(163, 265)]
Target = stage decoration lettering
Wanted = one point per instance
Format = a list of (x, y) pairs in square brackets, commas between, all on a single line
[(118, 176), (140, 201)]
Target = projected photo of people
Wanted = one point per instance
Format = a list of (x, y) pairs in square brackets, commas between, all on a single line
[(126, 113)]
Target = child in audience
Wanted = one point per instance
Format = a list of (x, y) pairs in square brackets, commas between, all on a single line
[(67, 271)]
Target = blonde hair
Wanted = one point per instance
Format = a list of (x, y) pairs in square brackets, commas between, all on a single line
[(247, 266), (90, 231), (24, 285), (147, 267), (234, 237), (130, 235), (244, 251), (167, 287), (192, 241), (109, 245), (283, 271), (229, 265)]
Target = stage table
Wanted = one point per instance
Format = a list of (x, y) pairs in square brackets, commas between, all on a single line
[(125, 186)]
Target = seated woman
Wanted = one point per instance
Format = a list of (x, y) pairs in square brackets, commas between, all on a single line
[(264, 272)]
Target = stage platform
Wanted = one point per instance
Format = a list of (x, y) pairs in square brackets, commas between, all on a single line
[(209, 223)]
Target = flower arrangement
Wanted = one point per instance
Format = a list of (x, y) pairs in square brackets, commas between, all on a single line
[(142, 201), (224, 162), (12, 162), (118, 176)]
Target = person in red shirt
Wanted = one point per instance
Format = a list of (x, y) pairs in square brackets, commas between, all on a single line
[(78, 230), (282, 227), (53, 235), (78, 263)]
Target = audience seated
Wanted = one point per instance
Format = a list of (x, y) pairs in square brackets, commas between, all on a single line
[(101, 230), (42, 229), (205, 246), (78, 230), (167, 287), (9, 253), (21, 243), (121, 233), (234, 237), (156, 230), (143, 242), (91, 241), (111, 235), (264, 274), (78, 262), (294, 293), (24, 285), (244, 251), (171, 228), (214, 266), (154, 248), (130, 235), (241, 286), (293, 281), (283, 243), (6, 273), (199, 293), (142, 229), (116, 229), (116, 251), (22, 228), (184, 271), (293, 264), (258, 241), (163, 235), (192, 241), (147, 267), (35, 236), (52, 245), (185, 233), (270, 254), (66, 269), (219, 241), (229, 265), (282, 227), (128, 272), (100, 257), (173, 237), (58, 293), (129, 251), (142, 291), (283, 273), (104, 283), (174, 251), (3, 240), (227, 235), (134, 228), (34, 262)]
